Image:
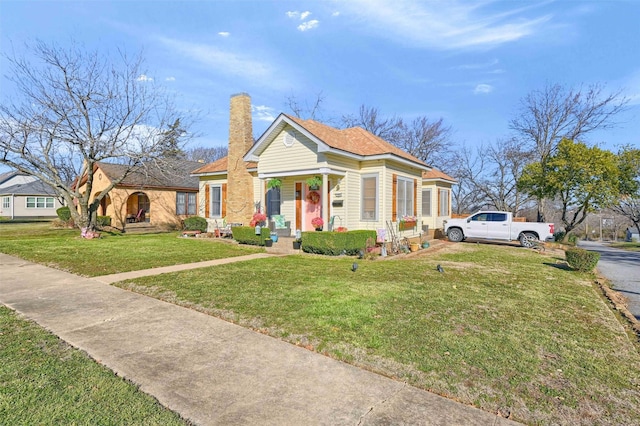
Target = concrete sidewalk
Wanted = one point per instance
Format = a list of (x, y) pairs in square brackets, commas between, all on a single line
[(213, 372)]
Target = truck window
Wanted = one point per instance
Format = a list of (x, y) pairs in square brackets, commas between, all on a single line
[(498, 217), (482, 217)]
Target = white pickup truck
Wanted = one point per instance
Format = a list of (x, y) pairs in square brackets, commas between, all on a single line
[(493, 225)]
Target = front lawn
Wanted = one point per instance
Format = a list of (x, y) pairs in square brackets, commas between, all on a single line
[(627, 246), (113, 253), (503, 328), (44, 381)]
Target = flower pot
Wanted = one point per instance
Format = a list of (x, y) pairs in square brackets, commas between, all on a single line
[(268, 242), (415, 246), (425, 245), (296, 245), (274, 238), (318, 229)]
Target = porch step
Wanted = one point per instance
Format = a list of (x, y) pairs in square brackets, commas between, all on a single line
[(142, 228), (284, 245)]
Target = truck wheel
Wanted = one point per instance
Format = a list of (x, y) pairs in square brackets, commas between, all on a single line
[(528, 240), (455, 235)]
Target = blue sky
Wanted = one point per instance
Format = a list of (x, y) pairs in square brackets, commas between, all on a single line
[(469, 62)]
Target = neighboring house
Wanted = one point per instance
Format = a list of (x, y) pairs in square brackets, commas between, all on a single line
[(632, 235), (159, 197), (367, 183), (26, 197)]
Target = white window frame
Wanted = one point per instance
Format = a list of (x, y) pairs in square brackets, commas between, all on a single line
[(427, 197), (443, 208), (404, 205), (6, 202), (40, 202), (212, 211), (366, 216), (188, 206)]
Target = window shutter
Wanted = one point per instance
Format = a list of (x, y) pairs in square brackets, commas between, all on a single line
[(206, 200), (439, 211), (224, 200), (394, 196), (415, 197)]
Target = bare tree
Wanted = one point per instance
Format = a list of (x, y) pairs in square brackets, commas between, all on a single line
[(206, 154), (628, 204), (306, 109), (78, 108), (369, 118), (467, 168), (503, 164), (556, 112)]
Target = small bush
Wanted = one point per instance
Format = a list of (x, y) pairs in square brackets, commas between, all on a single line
[(102, 221), (581, 259), (336, 243), (195, 223), (247, 235), (64, 213), (559, 237)]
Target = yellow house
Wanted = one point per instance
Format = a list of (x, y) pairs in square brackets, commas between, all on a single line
[(363, 182), (158, 197)]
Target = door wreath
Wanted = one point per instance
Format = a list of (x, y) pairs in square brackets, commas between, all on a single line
[(313, 197)]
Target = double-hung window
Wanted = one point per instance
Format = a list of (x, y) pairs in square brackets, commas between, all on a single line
[(216, 201), (426, 202), (40, 202), (6, 202), (443, 208), (369, 197), (404, 201), (186, 203)]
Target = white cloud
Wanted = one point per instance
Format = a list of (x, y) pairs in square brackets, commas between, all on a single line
[(144, 77), (336, 13), (227, 62), (309, 25), (298, 15), (224, 34), (263, 113), (448, 24), (170, 79), (482, 89)]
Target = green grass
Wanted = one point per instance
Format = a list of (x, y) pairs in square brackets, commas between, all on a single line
[(113, 253), (501, 328), (627, 246), (44, 381)]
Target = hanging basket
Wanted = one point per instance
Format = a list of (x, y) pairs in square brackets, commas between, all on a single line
[(313, 197)]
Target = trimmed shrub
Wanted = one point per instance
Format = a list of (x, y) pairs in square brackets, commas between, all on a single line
[(247, 235), (336, 243), (102, 221), (64, 213), (581, 259), (560, 235), (195, 223)]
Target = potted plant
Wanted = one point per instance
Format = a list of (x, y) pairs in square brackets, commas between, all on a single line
[(314, 182), (297, 243), (268, 242), (274, 183), (317, 223), (258, 219)]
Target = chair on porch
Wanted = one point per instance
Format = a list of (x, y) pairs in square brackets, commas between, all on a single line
[(280, 226), (140, 217)]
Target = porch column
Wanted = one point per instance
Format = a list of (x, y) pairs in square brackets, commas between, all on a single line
[(263, 196), (325, 201)]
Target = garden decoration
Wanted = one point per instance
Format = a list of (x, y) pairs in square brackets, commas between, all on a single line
[(317, 223), (313, 197)]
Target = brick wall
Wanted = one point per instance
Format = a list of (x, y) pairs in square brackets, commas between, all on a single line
[(240, 205)]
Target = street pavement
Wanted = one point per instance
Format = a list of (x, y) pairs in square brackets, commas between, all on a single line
[(622, 268), (213, 372)]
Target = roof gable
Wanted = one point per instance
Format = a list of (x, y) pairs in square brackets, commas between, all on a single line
[(353, 142), (172, 175), (435, 174)]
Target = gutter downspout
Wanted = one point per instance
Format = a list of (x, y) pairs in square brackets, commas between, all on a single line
[(13, 205)]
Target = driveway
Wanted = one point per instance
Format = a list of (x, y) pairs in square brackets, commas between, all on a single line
[(622, 268)]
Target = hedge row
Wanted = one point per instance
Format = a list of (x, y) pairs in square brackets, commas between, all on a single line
[(336, 243), (247, 235)]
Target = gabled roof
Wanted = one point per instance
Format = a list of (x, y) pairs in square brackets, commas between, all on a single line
[(172, 175), (219, 166), (36, 187), (353, 142), (435, 174)]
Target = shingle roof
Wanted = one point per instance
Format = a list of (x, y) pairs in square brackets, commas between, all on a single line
[(36, 187), (220, 166), (353, 140), (437, 174), (172, 175)]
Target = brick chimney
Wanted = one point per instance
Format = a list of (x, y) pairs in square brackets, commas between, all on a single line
[(240, 205)]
